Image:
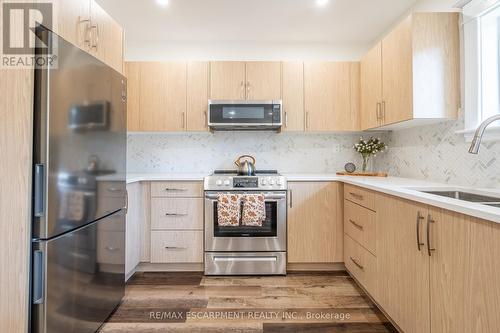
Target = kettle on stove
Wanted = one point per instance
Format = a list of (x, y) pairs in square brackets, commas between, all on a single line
[(245, 167)]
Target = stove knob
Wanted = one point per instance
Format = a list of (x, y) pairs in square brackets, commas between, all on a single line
[(263, 182), (227, 182), (218, 182), (279, 182), (271, 181)]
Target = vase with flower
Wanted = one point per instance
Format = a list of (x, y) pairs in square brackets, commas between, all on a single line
[(369, 149)]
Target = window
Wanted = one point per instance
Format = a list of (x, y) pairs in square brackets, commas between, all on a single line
[(482, 63), (489, 26)]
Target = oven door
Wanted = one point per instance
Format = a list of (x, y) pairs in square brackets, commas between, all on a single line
[(271, 236)]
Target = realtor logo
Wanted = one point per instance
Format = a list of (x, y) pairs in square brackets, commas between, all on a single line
[(21, 46)]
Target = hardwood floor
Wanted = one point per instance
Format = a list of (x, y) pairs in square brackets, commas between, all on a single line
[(299, 302)]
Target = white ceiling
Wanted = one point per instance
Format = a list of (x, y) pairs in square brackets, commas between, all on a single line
[(263, 21)]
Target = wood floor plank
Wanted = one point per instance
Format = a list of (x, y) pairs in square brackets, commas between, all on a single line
[(301, 302), (329, 328)]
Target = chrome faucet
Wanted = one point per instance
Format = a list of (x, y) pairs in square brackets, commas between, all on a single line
[(478, 136)]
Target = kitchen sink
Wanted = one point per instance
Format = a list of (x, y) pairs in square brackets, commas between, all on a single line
[(465, 196), (497, 205)]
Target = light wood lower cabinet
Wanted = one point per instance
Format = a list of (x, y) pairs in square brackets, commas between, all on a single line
[(361, 264), (177, 189), (465, 273), (403, 268), (436, 270), (360, 225), (315, 227), (176, 246), (134, 222), (177, 213)]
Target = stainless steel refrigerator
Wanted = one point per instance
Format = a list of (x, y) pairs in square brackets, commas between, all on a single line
[(79, 191)]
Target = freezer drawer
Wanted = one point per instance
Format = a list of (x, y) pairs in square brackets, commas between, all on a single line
[(245, 263), (74, 289)]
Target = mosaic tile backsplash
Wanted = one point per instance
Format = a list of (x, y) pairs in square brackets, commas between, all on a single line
[(438, 154), (432, 153), (205, 152)]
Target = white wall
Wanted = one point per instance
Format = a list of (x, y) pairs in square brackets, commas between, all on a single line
[(144, 51)]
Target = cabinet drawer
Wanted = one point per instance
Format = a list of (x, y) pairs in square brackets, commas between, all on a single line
[(111, 189), (111, 247), (361, 264), (176, 247), (177, 189), (360, 196), (359, 223), (115, 222), (177, 213)]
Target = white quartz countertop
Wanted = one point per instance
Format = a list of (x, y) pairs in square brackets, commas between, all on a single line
[(145, 177), (401, 187)]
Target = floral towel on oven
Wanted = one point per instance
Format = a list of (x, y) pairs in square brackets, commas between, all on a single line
[(228, 210), (254, 210)]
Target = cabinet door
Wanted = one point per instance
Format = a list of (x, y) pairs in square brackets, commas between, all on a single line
[(328, 96), (163, 96), (371, 88), (132, 72), (133, 227), (263, 80), (465, 274), (293, 96), (315, 228), (106, 38), (403, 286), (227, 80), (397, 79), (197, 96), (73, 21)]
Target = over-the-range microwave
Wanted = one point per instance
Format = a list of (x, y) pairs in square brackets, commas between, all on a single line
[(224, 115)]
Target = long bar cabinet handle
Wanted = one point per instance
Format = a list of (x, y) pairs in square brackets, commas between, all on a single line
[(419, 218), (429, 222)]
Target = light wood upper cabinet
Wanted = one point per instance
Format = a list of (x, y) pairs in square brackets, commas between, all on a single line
[(197, 96), (73, 21), (85, 24), (293, 96), (315, 226), (465, 274), (397, 81), (163, 96), (106, 37), (403, 270), (371, 88), (331, 96), (237, 80), (263, 80), (227, 80), (133, 74), (418, 81)]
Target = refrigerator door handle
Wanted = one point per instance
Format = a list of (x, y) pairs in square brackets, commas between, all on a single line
[(38, 277), (39, 184)]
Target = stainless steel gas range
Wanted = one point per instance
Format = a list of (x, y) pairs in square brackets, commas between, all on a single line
[(246, 250)]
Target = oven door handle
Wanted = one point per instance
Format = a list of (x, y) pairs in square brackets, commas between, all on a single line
[(266, 196), (236, 258)]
